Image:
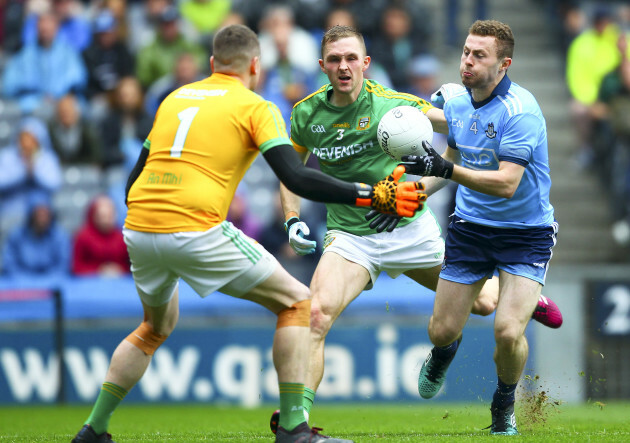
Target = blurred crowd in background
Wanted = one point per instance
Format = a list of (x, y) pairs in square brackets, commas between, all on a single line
[(594, 37), (81, 80)]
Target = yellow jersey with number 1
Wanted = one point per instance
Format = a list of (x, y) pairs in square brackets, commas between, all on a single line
[(204, 138)]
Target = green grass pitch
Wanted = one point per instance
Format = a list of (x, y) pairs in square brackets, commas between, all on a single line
[(538, 422)]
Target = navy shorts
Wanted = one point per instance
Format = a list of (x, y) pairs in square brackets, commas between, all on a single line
[(474, 251)]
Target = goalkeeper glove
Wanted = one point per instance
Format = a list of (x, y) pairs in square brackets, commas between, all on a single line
[(432, 164), (382, 222), (297, 230), (446, 92), (388, 222), (391, 197)]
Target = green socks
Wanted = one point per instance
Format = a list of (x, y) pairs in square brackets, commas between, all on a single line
[(308, 399), (291, 409), (108, 399)]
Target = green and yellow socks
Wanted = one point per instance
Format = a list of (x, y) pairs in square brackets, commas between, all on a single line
[(108, 399), (291, 409)]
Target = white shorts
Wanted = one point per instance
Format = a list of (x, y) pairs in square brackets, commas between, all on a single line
[(417, 245), (220, 259)]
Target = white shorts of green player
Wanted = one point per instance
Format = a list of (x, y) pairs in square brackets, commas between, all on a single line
[(418, 245)]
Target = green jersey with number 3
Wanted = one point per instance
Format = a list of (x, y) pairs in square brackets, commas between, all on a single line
[(344, 141)]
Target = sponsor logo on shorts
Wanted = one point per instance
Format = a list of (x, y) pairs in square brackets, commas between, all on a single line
[(328, 241)]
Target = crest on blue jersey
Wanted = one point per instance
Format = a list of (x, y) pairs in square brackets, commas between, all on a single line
[(490, 132)]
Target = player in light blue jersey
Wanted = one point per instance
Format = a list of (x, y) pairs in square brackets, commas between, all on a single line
[(497, 152)]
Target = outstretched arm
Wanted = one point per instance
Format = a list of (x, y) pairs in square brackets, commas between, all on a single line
[(387, 196), (501, 183), (307, 182), (438, 120)]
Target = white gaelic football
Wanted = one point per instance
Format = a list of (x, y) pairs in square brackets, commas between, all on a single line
[(402, 130)]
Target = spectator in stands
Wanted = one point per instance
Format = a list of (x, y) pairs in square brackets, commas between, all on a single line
[(614, 99), (99, 248), (11, 19), (144, 21), (398, 43), (240, 215), (107, 60), (157, 59), (366, 13), (39, 248), (126, 125), (120, 10), (73, 138), (453, 8), (144, 17), (28, 166), (591, 56), (186, 70), (205, 15), (44, 71), (422, 73), (568, 20), (281, 40), (286, 49), (74, 29)]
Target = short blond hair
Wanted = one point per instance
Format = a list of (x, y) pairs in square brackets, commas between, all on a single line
[(500, 31), (338, 32)]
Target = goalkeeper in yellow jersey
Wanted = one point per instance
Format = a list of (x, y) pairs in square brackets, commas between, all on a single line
[(205, 136), (338, 124)]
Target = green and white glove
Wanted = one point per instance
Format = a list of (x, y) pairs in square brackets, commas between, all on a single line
[(297, 230)]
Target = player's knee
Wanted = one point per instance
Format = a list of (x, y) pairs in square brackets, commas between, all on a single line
[(442, 334), (321, 321), (484, 306), (298, 314), (507, 334), (146, 339)]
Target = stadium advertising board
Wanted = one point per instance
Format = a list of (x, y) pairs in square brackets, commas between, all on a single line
[(611, 305), (233, 365)]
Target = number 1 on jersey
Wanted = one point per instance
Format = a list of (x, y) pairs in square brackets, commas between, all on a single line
[(185, 120)]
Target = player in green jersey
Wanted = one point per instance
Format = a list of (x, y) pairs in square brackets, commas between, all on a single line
[(338, 124)]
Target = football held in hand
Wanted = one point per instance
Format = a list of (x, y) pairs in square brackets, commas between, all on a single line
[(402, 130)]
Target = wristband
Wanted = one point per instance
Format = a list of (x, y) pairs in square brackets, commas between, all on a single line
[(364, 194), (448, 169), (291, 214), (289, 222)]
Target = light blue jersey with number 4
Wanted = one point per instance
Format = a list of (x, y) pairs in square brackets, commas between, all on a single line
[(508, 126)]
